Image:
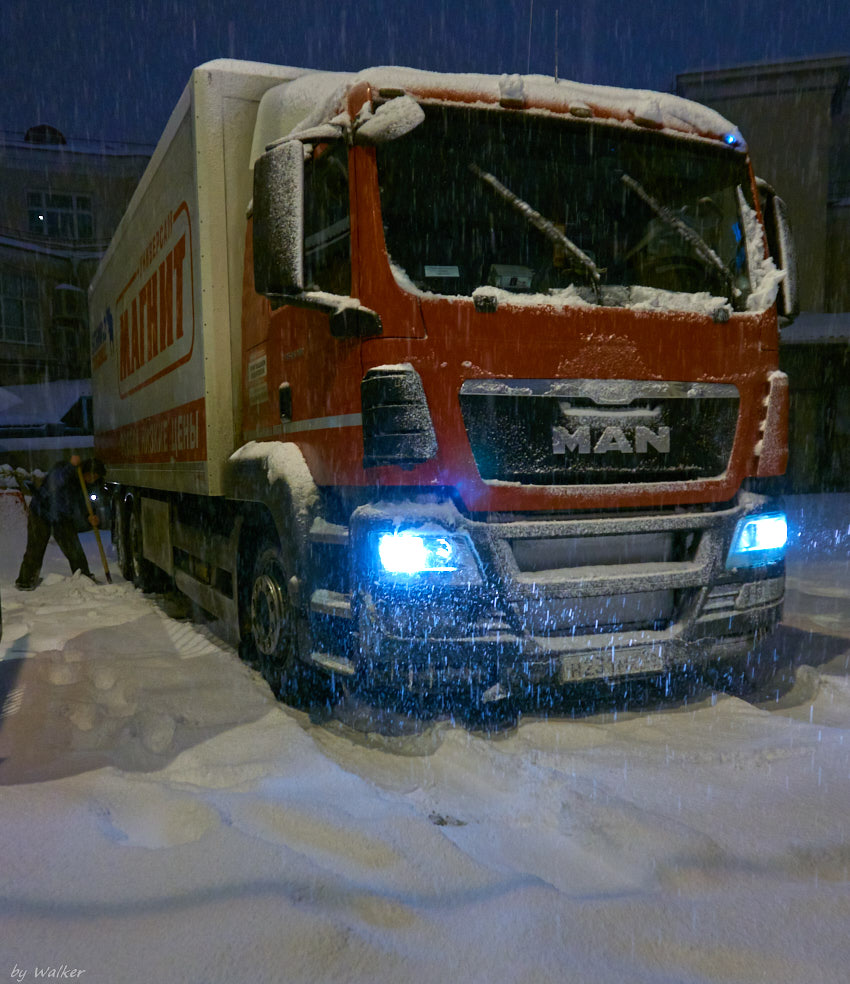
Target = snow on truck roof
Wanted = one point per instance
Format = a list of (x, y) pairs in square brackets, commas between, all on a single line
[(317, 97)]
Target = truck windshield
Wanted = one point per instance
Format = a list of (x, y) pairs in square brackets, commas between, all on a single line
[(537, 205)]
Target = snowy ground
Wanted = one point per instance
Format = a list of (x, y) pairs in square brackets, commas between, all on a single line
[(163, 819)]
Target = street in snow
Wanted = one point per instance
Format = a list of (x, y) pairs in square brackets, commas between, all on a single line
[(164, 818)]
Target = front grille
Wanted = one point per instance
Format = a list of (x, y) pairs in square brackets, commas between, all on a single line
[(535, 554), (586, 431), (594, 575), (542, 615)]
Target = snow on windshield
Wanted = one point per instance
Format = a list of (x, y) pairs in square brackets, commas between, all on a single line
[(764, 276), (573, 211)]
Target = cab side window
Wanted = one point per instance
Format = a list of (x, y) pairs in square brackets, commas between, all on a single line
[(327, 225)]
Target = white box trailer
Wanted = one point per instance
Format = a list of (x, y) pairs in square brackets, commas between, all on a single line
[(166, 301)]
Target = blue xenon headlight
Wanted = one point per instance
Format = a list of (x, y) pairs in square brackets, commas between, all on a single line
[(758, 540), (409, 553), (443, 558)]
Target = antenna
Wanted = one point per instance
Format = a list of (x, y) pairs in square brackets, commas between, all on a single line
[(556, 44), (530, 19)]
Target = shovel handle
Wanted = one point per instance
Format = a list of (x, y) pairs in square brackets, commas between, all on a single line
[(96, 530)]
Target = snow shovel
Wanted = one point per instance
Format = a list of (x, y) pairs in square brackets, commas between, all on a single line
[(96, 530)]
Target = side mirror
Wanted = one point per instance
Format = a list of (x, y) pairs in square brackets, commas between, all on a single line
[(279, 220), (780, 242), (279, 243)]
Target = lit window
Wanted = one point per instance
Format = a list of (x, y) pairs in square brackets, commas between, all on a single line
[(60, 215)]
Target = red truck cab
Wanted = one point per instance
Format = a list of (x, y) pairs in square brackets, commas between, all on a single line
[(524, 335)]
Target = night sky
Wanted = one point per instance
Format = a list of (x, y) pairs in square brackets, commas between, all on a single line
[(113, 69)]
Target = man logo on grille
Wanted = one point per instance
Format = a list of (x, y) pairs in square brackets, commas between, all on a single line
[(582, 440)]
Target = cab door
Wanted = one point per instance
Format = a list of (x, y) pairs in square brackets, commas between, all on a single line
[(300, 383)]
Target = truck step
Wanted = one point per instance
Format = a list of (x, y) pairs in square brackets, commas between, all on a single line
[(333, 664), (322, 531), (335, 603)]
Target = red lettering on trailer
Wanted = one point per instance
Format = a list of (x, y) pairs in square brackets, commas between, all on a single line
[(156, 322), (136, 356), (149, 299), (166, 319), (174, 435)]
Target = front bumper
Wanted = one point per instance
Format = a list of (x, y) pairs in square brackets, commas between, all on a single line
[(562, 599)]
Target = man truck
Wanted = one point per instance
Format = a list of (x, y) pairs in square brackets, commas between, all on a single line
[(426, 381)]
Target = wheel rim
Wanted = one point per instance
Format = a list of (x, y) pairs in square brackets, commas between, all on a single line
[(268, 614)]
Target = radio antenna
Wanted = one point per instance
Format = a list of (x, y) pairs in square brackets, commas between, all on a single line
[(530, 19), (556, 44)]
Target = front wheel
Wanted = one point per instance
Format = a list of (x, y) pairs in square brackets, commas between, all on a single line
[(270, 631), (270, 617)]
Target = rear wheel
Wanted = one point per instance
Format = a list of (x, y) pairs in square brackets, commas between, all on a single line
[(120, 539), (143, 573)]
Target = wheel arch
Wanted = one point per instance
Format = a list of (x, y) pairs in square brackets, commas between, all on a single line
[(279, 502)]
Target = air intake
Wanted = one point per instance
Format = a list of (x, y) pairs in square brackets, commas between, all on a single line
[(397, 427)]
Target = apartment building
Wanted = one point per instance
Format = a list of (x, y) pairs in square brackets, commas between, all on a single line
[(60, 201), (795, 116)]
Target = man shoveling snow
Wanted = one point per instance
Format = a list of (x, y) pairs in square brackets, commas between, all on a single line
[(58, 507)]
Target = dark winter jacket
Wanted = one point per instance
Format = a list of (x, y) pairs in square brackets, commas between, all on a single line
[(60, 497)]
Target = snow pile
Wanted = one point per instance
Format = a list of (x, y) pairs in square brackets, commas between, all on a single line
[(165, 819), (701, 302), (554, 300), (9, 476)]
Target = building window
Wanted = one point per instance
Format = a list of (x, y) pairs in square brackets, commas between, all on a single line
[(69, 303), (19, 320), (60, 215)]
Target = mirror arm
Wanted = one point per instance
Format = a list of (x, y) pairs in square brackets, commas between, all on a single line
[(345, 320)]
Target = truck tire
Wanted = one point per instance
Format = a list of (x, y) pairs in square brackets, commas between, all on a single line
[(121, 540), (143, 573), (269, 641)]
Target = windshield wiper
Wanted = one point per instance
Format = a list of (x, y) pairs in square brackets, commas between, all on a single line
[(542, 224), (699, 246)]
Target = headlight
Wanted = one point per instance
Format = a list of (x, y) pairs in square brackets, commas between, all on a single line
[(758, 540), (443, 558)]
